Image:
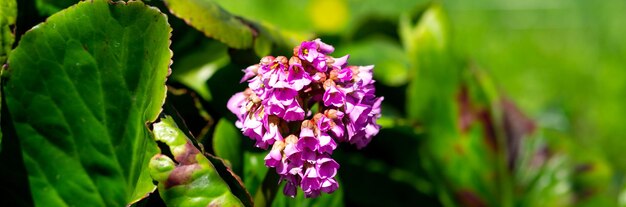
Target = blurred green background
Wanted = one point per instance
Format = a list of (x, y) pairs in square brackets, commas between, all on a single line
[(560, 61)]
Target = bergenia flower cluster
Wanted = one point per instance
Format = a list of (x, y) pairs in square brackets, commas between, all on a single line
[(302, 107)]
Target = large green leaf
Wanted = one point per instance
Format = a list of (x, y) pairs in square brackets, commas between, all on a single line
[(81, 88), (213, 21), (210, 18), (192, 180)]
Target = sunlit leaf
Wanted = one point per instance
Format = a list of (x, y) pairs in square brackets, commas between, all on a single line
[(81, 88), (190, 179), (290, 15), (209, 18)]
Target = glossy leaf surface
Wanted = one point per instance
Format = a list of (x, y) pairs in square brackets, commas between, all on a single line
[(209, 18), (190, 179), (81, 88)]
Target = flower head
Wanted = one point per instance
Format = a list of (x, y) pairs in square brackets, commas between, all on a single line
[(280, 96)]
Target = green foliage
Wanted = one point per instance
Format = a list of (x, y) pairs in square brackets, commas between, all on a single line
[(227, 144), (80, 97), (8, 13), (196, 68), (390, 61), (209, 18), (192, 180)]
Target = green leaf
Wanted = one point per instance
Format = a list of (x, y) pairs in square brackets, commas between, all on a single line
[(192, 180), (435, 78), (543, 176), (209, 18), (195, 68), (8, 13), (237, 187), (461, 133), (254, 170), (227, 143), (390, 61), (293, 15), (81, 88)]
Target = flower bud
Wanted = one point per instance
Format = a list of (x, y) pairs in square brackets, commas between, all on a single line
[(291, 139), (267, 60), (282, 60)]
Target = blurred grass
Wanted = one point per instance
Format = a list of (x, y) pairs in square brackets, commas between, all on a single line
[(561, 61)]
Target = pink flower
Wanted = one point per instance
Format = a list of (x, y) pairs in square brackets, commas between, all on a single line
[(280, 97)]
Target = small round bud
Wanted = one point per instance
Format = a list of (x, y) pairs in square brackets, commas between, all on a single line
[(296, 50), (291, 139), (329, 83), (282, 60), (308, 124), (333, 74), (331, 113), (279, 145), (267, 60), (295, 61)]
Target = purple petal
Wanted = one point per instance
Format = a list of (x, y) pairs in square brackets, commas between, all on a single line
[(365, 73), (290, 189), (329, 185), (250, 72), (294, 112), (327, 167), (273, 159), (334, 97), (310, 143), (345, 74), (235, 102), (326, 143), (323, 47)]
